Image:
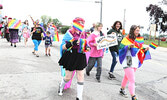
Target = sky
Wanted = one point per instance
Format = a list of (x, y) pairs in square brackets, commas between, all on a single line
[(67, 10)]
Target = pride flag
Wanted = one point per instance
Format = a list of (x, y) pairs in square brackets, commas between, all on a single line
[(137, 50), (14, 24), (56, 37), (139, 40), (82, 46), (153, 45)]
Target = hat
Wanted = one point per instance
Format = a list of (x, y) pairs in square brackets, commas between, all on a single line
[(77, 25)]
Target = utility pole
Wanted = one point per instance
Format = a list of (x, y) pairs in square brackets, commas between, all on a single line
[(123, 31), (101, 8), (124, 19)]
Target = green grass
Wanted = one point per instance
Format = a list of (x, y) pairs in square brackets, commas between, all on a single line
[(162, 43)]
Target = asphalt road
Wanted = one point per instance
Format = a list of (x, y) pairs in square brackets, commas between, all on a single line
[(26, 77)]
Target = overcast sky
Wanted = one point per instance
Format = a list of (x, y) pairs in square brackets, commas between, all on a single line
[(67, 10)]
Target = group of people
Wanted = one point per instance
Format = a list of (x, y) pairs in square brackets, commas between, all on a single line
[(36, 33), (73, 60), (73, 55), (14, 35)]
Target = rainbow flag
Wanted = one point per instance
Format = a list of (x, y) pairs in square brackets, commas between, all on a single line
[(82, 46), (139, 40), (78, 26), (14, 24), (153, 45), (56, 37), (137, 50)]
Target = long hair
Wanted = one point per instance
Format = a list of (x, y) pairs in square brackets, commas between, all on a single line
[(131, 32), (114, 26)]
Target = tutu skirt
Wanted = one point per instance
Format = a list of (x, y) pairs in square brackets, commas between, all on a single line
[(72, 60)]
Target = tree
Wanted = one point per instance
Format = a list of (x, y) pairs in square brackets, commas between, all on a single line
[(64, 29), (57, 22), (156, 12), (45, 20)]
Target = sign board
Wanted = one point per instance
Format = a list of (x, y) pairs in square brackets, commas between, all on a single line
[(153, 27), (106, 41)]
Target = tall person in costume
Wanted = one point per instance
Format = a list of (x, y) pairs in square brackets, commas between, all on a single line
[(131, 56), (72, 59), (116, 29)]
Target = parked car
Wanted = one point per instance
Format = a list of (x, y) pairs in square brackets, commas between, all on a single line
[(163, 38)]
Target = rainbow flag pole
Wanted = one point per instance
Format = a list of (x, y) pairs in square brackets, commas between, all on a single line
[(153, 45)]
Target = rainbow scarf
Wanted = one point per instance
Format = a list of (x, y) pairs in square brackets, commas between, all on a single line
[(139, 40), (78, 26), (136, 50), (153, 45)]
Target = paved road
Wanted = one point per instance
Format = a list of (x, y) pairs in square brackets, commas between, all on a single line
[(26, 77)]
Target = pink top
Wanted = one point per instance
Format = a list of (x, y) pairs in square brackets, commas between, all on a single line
[(94, 52)]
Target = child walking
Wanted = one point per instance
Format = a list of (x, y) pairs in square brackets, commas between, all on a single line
[(48, 43), (95, 55)]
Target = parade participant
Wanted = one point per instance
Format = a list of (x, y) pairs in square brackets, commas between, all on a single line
[(47, 39), (131, 56), (116, 29), (36, 33), (14, 37), (26, 31), (92, 28), (72, 59), (7, 32), (95, 55)]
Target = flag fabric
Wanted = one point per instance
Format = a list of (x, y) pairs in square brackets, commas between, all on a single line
[(137, 50), (82, 46), (56, 37), (139, 40), (14, 24), (153, 45)]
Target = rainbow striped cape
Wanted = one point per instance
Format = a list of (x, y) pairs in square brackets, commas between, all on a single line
[(137, 50)]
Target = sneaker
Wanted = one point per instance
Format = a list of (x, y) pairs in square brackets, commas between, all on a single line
[(98, 80), (122, 92), (46, 54), (49, 54), (111, 76), (14, 45), (77, 98), (37, 55), (33, 52), (134, 98), (87, 73), (60, 93)]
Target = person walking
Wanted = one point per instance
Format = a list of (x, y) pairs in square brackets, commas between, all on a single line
[(48, 40), (95, 55), (131, 56), (72, 59), (116, 29), (26, 32), (36, 37)]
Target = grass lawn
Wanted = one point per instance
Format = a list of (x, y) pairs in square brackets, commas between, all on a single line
[(162, 43)]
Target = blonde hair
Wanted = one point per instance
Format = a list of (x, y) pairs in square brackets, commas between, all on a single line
[(98, 24)]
